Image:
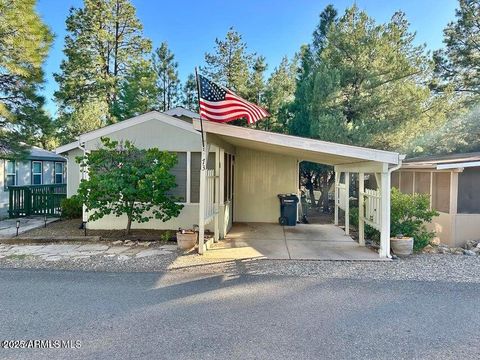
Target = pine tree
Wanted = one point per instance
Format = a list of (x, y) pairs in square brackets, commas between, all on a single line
[(104, 40), (230, 63), (166, 70), (190, 94), (256, 82), (23, 50), (458, 65), (138, 91)]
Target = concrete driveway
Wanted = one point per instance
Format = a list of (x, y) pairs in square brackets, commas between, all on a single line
[(301, 242)]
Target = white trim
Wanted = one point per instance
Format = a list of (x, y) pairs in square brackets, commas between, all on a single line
[(32, 182), (181, 111), (299, 143), (458, 165), (67, 147)]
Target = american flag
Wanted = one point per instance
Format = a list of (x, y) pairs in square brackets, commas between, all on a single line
[(222, 105)]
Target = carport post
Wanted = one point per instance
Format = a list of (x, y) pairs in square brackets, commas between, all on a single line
[(361, 209), (217, 195), (385, 215), (201, 204), (347, 203), (337, 180)]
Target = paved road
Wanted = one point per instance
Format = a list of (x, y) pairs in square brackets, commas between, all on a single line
[(168, 316)]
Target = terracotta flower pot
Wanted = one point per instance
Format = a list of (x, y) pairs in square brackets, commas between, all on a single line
[(186, 240), (402, 246)]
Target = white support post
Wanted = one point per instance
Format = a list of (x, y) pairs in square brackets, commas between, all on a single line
[(385, 216), (201, 203), (221, 187), (217, 195), (361, 209), (337, 181), (347, 203)]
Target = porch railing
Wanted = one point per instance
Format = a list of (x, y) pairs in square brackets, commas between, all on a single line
[(35, 200), (373, 200)]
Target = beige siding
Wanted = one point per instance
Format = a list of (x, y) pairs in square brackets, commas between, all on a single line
[(187, 218), (155, 134), (443, 226), (259, 177), (466, 228), (73, 171)]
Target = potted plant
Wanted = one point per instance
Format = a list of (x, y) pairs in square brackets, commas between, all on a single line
[(409, 213), (186, 239)]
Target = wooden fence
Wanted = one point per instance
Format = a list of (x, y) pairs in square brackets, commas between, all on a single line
[(36, 200)]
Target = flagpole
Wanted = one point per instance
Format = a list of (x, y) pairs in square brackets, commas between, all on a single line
[(199, 112)]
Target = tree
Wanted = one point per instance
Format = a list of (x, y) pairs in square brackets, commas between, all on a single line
[(256, 82), (125, 180), (458, 65), (23, 50), (460, 133), (104, 39), (230, 63), (279, 94), (367, 85), (138, 92), (190, 94), (168, 83)]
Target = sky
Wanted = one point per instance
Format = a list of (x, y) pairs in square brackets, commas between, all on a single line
[(272, 28)]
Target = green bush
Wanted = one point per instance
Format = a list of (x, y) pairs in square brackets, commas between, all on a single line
[(409, 213), (354, 217), (71, 207)]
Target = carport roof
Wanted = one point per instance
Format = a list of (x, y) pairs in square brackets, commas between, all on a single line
[(303, 148)]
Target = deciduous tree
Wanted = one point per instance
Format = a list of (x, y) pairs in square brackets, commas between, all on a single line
[(127, 181)]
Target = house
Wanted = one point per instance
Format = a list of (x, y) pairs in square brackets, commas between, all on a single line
[(453, 184), (40, 167), (244, 171)]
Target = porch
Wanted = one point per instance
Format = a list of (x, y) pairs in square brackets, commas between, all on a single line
[(301, 242), (251, 167)]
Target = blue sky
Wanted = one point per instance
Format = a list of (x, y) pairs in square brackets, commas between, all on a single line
[(272, 28)]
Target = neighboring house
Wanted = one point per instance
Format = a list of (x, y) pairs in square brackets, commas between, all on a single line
[(245, 171), (41, 167), (453, 184)]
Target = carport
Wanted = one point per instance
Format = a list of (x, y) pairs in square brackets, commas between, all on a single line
[(252, 167)]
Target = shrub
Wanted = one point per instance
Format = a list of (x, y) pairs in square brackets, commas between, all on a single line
[(354, 217), (409, 213), (71, 207)]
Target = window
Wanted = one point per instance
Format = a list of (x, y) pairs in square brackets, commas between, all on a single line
[(37, 168), (59, 173), (10, 173), (180, 172), (441, 192)]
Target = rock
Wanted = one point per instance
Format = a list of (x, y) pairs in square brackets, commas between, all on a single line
[(128, 243), (476, 250), (472, 244), (443, 250), (429, 249), (145, 243), (435, 241), (456, 251), (469, 253), (118, 242), (478, 245), (394, 257)]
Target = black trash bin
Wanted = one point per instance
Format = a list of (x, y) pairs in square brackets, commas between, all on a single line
[(288, 209)]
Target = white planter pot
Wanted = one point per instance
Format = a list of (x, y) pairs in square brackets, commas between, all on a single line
[(402, 246), (186, 241)]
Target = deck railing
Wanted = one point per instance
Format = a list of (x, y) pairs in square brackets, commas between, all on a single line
[(35, 200)]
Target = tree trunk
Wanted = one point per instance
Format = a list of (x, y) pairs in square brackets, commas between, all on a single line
[(129, 225)]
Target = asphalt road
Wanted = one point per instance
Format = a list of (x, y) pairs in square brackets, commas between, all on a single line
[(166, 316)]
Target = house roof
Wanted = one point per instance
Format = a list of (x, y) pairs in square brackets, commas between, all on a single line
[(303, 148), (443, 162), (37, 153), (181, 111), (107, 130)]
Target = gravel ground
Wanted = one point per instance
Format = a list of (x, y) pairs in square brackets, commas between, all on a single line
[(422, 267)]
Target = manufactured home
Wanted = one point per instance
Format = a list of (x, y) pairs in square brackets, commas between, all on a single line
[(245, 169)]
